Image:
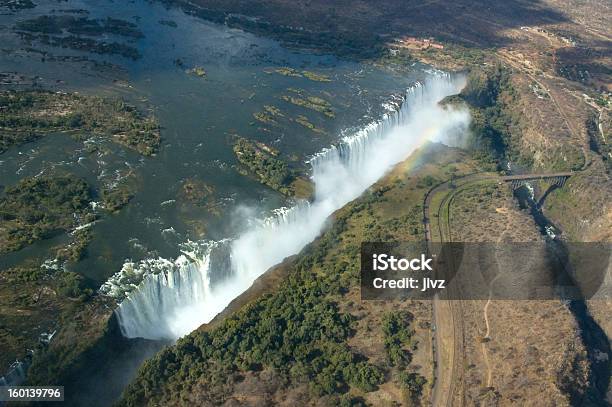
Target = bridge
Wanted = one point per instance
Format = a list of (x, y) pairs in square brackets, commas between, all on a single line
[(448, 337), (557, 179)]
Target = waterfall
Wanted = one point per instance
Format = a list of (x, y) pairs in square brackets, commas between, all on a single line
[(163, 299)]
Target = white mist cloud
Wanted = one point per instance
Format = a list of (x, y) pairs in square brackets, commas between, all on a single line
[(173, 303)]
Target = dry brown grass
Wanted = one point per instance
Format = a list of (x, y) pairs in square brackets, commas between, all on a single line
[(533, 349)]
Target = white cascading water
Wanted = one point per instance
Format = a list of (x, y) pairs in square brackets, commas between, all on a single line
[(166, 300)]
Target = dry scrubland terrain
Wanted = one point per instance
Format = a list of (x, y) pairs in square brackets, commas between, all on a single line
[(514, 351)]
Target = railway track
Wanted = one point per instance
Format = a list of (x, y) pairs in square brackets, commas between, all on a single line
[(446, 324), (447, 314)]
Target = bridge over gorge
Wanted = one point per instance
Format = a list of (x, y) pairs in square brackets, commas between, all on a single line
[(556, 179), (447, 316)]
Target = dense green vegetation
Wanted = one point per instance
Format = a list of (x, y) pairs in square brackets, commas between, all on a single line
[(262, 161), (303, 120), (355, 44), (412, 383), (28, 115), (17, 4), (398, 340), (486, 92), (198, 193), (31, 299), (495, 127), (65, 283), (298, 331), (483, 87), (311, 102), (398, 334), (270, 170), (37, 208), (75, 250), (84, 44), (313, 76), (36, 290), (57, 24), (40, 294), (116, 196), (51, 30)]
